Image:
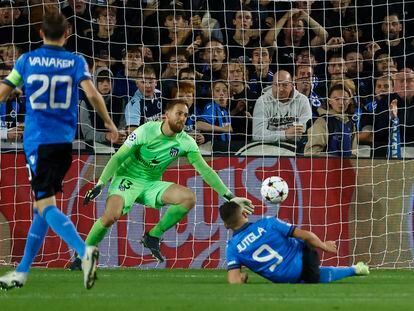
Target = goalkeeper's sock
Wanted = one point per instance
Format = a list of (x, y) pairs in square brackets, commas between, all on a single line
[(96, 234), (34, 240), (64, 228), (331, 274), (171, 217)]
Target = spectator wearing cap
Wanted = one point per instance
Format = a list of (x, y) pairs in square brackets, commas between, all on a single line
[(92, 126), (13, 25), (146, 104)]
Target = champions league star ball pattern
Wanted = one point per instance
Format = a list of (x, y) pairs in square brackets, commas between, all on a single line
[(274, 189)]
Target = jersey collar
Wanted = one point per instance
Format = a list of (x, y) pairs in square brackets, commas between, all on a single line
[(53, 47), (242, 228)]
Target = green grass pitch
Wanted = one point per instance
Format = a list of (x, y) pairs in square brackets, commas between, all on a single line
[(135, 289)]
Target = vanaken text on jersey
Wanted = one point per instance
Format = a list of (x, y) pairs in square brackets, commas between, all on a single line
[(51, 62)]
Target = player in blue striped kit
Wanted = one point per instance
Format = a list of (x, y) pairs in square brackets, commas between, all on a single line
[(51, 77), (278, 251)]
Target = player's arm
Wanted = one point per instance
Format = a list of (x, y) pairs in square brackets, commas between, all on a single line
[(8, 85), (236, 276), (95, 98), (312, 240), (214, 181)]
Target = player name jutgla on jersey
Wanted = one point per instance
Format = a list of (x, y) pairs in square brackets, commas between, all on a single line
[(250, 238), (51, 61)]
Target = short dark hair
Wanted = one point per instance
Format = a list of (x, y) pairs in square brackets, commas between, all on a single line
[(146, 70), (229, 212), (186, 70), (131, 49), (54, 26)]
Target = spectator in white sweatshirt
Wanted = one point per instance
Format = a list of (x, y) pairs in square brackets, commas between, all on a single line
[(281, 113)]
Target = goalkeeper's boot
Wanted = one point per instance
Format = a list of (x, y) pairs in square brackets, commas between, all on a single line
[(89, 263), (153, 244), (13, 279), (76, 265), (361, 268)]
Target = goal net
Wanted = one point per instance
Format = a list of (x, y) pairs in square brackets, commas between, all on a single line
[(320, 93)]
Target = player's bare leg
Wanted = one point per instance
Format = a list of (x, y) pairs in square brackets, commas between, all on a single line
[(112, 213)]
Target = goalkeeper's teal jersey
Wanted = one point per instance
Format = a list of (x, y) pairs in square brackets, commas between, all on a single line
[(151, 152), (147, 153)]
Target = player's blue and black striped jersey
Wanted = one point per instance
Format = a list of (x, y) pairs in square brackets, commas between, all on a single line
[(267, 248), (51, 76)]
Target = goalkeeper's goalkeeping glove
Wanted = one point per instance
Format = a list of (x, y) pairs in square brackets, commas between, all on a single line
[(245, 203), (92, 194)]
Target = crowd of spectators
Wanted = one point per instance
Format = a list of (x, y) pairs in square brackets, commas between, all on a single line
[(324, 76)]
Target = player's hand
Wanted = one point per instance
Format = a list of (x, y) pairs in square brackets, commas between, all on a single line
[(92, 194), (244, 277), (330, 247), (245, 203), (113, 135)]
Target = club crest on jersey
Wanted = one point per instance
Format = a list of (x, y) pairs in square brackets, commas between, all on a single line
[(174, 152)]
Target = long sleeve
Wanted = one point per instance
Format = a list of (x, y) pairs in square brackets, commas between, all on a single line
[(115, 162), (208, 174), (133, 111)]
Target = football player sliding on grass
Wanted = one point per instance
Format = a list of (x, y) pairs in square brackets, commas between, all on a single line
[(136, 171), (277, 251)]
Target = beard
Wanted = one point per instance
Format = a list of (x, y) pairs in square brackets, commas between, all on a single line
[(176, 127)]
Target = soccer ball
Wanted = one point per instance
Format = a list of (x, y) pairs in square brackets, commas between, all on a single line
[(274, 189)]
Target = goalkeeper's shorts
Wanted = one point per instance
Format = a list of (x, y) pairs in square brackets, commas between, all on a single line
[(148, 193)]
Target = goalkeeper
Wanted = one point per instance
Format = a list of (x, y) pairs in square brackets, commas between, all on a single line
[(136, 171)]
